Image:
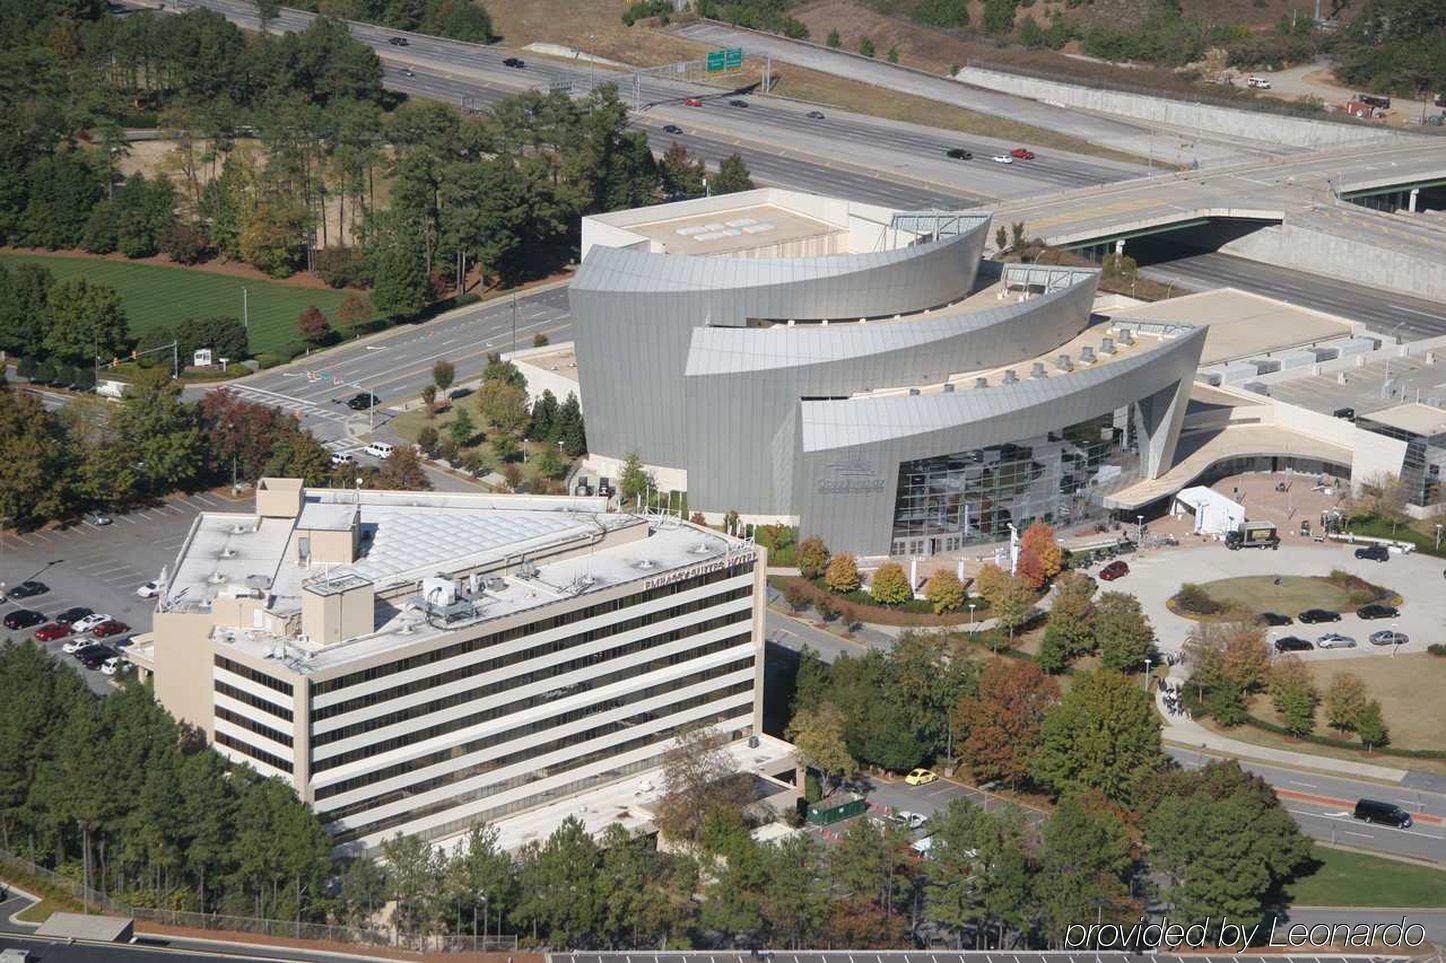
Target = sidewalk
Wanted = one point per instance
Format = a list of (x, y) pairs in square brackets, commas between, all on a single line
[(1181, 730)]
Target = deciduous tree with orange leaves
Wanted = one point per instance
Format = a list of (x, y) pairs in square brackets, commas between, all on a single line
[(1000, 726)]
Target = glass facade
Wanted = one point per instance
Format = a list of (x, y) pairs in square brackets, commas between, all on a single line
[(949, 501)]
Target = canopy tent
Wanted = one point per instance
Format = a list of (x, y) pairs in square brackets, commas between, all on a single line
[(1214, 513)]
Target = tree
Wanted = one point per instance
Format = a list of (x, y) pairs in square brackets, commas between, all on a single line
[(24, 308), (35, 463), (893, 55), (944, 591), (354, 312), (1010, 599), (1040, 557), (1345, 700), (1001, 239), (1293, 692), (1383, 496), (1070, 631), (890, 586), (842, 575), (544, 417), (1085, 862), (570, 428), (818, 736), (312, 327), (226, 336), (1125, 636), (271, 234), (402, 471), (429, 398), (701, 780), (812, 557), (266, 12), (633, 481), (156, 433), (1102, 735), (443, 374), (86, 321), (427, 439), (873, 861), (461, 428), (1370, 726), (866, 46), (503, 407), (682, 173), (732, 176), (1000, 726)]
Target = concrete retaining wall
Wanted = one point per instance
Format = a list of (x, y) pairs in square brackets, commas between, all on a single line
[(1245, 124), (1332, 255)]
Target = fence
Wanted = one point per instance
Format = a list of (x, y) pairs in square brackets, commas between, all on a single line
[(259, 926)]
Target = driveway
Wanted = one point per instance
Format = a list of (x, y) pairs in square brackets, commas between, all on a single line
[(1157, 574)]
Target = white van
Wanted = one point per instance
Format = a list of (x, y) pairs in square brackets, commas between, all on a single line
[(379, 449)]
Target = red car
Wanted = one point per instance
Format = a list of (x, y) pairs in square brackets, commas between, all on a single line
[(692, 102), (51, 631), (1022, 153), (106, 629), (1114, 570)]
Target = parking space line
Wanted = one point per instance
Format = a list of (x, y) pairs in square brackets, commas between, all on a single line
[(205, 499), (128, 521)]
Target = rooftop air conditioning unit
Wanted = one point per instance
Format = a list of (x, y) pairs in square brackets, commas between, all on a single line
[(948, 387), (1087, 355), (913, 391), (981, 382), (1107, 345), (1037, 370), (1063, 363), (1127, 336), (1010, 376)]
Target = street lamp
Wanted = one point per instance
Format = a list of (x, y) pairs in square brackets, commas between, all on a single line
[(1438, 536), (1140, 535), (971, 612), (1147, 675)]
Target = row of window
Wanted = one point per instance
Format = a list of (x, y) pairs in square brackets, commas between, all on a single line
[(517, 632), (492, 789), (251, 725), (245, 748), (523, 655), (260, 678), (514, 682), (255, 702), (526, 729)]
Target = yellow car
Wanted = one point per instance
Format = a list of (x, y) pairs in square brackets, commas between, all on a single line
[(921, 777)]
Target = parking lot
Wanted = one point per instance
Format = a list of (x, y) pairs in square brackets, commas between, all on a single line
[(100, 567)]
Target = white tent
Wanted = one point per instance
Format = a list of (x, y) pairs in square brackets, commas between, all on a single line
[(1214, 513)]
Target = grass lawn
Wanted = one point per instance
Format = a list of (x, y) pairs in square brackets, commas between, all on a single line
[(40, 912), (1254, 594), (1343, 878), (1408, 687), (1421, 532), (156, 296)]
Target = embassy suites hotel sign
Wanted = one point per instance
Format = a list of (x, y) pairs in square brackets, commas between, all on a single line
[(732, 559), (854, 477)]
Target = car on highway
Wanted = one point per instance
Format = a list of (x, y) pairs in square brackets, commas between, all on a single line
[(73, 614), (149, 590), (363, 400), (1375, 811), (1389, 637), (51, 631), (1374, 553), (737, 102), (1002, 159), (692, 102), (379, 449), (23, 619), (1293, 643), (959, 153), (88, 622), (1316, 616), (1114, 570), (1022, 153), (108, 628), (516, 63), (921, 777), (815, 115), (1377, 610), (408, 72), (672, 129), (28, 589), (1334, 640), (398, 41), (1273, 618), (96, 518)]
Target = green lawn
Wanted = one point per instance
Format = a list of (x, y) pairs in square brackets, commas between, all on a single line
[(1345, 878), (156, 296), (1254, 594)]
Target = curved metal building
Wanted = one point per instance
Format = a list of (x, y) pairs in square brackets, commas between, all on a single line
[(858, 371)]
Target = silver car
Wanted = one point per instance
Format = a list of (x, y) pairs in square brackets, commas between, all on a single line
[(1389, 637), (1334, 640)]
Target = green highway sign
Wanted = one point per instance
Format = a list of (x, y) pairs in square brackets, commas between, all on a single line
[(715, 60), (733, 57)]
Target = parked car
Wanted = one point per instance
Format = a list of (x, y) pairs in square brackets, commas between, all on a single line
[(672, 129), (338, 458), (1114, 570), (74, 613), (692, 102), (96, 518), (379, 449), (1273, 618), (1315, 616), (1334, 640), (398, 41), (959, 153), (1376, 553), (1377, 610), (28, 589), (51, 631), (1389, 637), (108, 628), (815, 115), (1293, 643), (737, 102), (516, 63), (76, 643), (150, 590), (86, 623), (115, 664), (1259, 83), (921, 777), (96, 656), (1023, 153), (1348, 413), (363, 400), (23, 619), (1375, 811), (909, 820), (1002, 159)]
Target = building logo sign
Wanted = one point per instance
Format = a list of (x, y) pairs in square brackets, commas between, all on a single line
[(855, 476), (734, 558)]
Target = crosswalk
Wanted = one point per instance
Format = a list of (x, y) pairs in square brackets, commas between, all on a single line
[(296, 406)]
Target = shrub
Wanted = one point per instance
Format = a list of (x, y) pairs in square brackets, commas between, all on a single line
[(812, 557), (267, 360), (427, 439), (944, 591), (1437, 649), (796, 597), (1196, 601), (339, 267), (890, 586), (842, 575), (25, 368)]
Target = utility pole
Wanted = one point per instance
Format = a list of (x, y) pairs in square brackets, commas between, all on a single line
[(245, 310)]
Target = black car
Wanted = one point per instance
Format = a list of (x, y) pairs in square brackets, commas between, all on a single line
[(1377, 610), (362, 401), (30, 589), (95, 656), (735, 102), (516, 63), (1376, 553), (672, 129), (73, 614), (1313, 616), (23, 619), (959, 153), (1293, 643), (815, 115), (398, 41), (1273, 618)]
